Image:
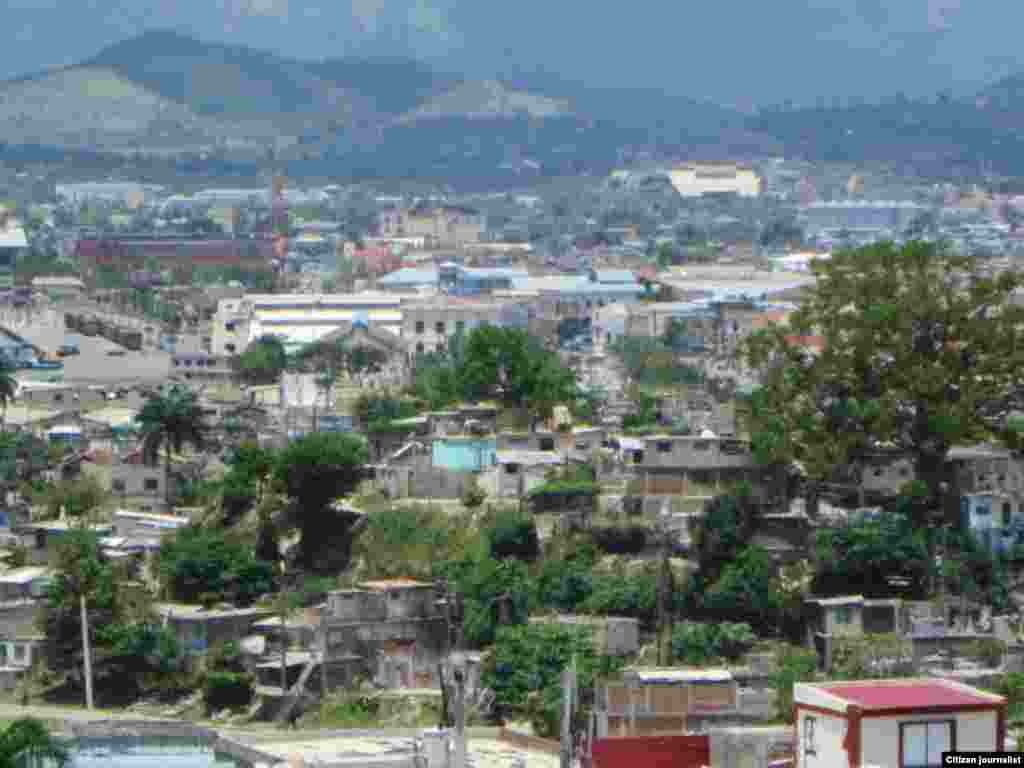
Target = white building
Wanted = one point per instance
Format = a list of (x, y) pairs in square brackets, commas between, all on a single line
[(901, 723), (696, 180), (299, 319), (130, 194)]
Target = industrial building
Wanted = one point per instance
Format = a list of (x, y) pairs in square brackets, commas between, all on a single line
[(891, 216), (299, 319), (697, 180)]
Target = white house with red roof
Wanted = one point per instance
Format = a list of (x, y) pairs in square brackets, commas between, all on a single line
[(901, 723)]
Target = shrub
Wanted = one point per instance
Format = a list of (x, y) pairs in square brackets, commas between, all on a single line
[(512, 533), (227, 690), (620, 540), (698, 643), (792, 665), (988, 650)]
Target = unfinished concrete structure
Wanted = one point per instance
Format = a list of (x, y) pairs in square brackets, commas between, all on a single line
[(398, 627)]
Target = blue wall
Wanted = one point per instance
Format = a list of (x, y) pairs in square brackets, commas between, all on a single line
[(465, 455)]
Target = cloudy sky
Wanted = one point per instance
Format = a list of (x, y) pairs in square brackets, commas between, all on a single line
[(742, 52)]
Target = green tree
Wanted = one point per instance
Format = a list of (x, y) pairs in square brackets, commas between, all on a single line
[(921, 352), (262, 362), (170, 420), (27, 741), (725, 529), (77, 496), (372, 408), (247, 476), (314, 472), (410, 541), (513, 367), (745, 590), (792, 665), (198, 564), (699, 644), (524, 670), (8, 388), (493, 592), (511, 532)]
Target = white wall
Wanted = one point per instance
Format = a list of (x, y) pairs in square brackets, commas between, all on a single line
[(829, 733), (975, 731)]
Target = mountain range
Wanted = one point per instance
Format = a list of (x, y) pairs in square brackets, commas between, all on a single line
[(164, 93)]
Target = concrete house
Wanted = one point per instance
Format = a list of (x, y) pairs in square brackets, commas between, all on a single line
[(519, 472), (139, 486), (198, 629), (20, 642), (903, 723), (656, 702), (410, 473), (397, 626)]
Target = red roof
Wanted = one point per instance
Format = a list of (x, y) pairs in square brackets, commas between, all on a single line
[(910, 694)]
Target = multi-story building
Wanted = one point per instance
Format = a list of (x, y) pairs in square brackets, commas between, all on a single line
[(299, 319), (429, 326), (887, 215), (443, 227), (399, 628), (13, 245), (696, 180)]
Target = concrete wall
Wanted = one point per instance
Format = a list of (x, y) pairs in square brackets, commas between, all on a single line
[(750, 747)]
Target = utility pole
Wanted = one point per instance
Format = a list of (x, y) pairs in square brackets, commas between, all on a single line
[(568, 702), (86, 653), (460, 718)]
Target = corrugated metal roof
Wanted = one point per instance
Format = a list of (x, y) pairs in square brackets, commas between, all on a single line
[(683, 675), (14, 237), (919, 694), (410, 276)]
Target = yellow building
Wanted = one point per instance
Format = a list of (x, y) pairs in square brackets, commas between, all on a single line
[(695, 180)]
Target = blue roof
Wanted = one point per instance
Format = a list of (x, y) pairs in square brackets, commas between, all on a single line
[(410, 276), (614, 276), (485, 273)]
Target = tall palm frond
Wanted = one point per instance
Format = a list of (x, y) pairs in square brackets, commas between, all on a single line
[(27, 741)]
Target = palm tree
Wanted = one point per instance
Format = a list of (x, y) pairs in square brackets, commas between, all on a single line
[(169, 420), (27, 741)]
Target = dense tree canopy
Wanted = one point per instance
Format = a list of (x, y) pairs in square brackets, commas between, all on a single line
[(205, 565), (262, 362), (921, 353), (314, 471), (507, 365)]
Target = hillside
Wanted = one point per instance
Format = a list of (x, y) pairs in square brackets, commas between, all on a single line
[(489, 99), (92, 106), (163, 92)]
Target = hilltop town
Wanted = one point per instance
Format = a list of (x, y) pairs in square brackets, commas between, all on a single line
[(727, 453)]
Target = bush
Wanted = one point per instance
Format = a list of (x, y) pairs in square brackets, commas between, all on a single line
[(988, 650), (227, 690), (512, 533), (696, 643), (620, 540), (204, 565), (792, 665)]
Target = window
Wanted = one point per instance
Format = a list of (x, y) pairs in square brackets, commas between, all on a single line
[(1007, 512), (419, 348), (420, 326), (702, 445), (439, 327), (664, 446), (58, 398), (19, 652), (230, 348), (460, 326), (117, 486), (511, 469), (843, 614), (809, 739), (151, 484), (922, 744), (229, 327), (547, 443)]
